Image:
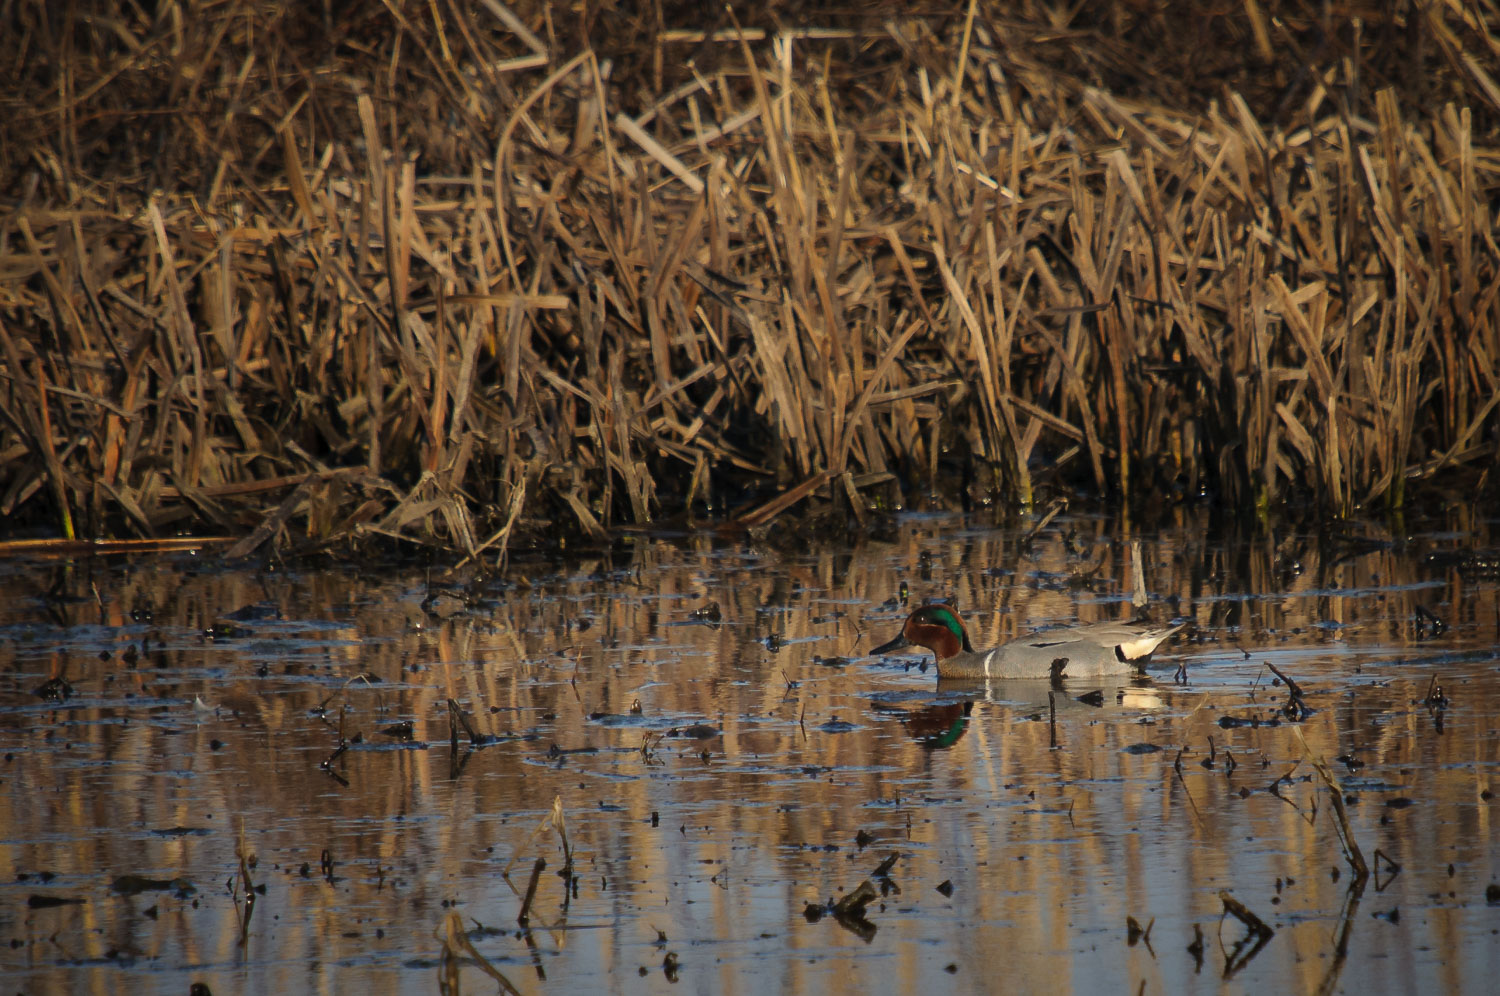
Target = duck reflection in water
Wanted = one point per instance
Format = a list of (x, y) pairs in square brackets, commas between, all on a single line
[(939, 725)]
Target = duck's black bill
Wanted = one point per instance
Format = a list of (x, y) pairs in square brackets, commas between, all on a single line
[(899, 643)]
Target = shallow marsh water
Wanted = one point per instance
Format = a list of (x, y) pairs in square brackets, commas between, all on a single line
[(782, 765)]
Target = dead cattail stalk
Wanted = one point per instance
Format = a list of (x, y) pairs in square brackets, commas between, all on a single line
[(524, 300)]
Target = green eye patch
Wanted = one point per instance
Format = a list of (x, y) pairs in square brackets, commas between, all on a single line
[(944, 617)]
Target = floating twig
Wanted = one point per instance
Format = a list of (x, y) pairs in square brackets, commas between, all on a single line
[(1249, 946)]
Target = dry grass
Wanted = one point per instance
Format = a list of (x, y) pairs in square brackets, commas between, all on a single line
[(465, 274)]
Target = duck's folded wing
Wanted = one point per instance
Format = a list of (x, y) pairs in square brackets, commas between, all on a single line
[(1125, 641), (1133, 642)]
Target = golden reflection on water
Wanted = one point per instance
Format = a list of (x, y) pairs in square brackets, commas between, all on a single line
[(1046, 831)]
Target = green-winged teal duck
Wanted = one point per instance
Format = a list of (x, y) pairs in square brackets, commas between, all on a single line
[(1073, 652)]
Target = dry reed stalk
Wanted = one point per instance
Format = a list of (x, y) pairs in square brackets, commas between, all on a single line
[(765, 265)]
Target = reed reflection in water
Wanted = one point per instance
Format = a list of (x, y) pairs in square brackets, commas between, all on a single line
[(729, 762)]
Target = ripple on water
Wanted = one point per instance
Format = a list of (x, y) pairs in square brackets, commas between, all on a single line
[(713, 778)]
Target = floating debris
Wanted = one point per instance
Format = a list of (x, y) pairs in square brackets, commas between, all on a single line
[(556, 751), (225, 631), (57, 689), (698, 731), (849, 910), (131, 885), (1246, 722), (256, 612), (41, 902)]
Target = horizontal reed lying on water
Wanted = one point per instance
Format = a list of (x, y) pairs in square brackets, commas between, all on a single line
[(467, 274)]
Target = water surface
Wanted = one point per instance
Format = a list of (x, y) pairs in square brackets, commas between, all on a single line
[(728, 759)]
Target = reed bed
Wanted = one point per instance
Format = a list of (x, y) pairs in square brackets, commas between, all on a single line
[(474, 275)]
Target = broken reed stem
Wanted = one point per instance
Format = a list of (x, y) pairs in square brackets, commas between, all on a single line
[(554, 819), (562, 832), (1352, 852), (242, 852), (456, 945), (854, 902), (1242, 913), (1292, 687), (524, 916), (1192, 804), (458, 718)]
